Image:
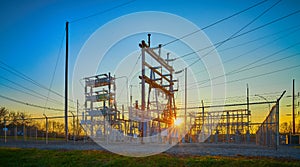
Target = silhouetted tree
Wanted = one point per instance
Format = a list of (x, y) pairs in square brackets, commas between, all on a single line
[(285, 127), (3, 114)]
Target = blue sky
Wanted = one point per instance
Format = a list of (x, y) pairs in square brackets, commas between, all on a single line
[(32, 34)]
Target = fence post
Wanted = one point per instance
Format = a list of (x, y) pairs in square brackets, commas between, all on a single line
[(46, 128), (5, 140), (24, 130), (36, 133), (16, 132), (277, 124), (277, 119)]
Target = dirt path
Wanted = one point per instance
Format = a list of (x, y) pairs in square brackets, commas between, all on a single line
[(223, 149)]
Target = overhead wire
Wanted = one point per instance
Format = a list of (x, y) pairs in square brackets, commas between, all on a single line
[(130, 74), (102, 12), (217, 22), (236, 33), (28, 79), (257, 48), (255, 76), (267, 73), (198, 83), (265, 11), (22, 91), (242, 69), (242, 34), (30, 104), (25, 77), (55, 67), (265, 57), (260, 65), (28, 89), (262, 38)]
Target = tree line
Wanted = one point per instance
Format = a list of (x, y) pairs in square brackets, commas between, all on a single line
[(20, 123)]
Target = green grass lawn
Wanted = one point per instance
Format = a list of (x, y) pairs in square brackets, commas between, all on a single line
[(36, 157)]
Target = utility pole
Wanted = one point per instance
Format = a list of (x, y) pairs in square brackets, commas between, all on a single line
[(248, 116), (77, 119), (143, 95), (66, 81), (185, 97), (248, 112), (293, 106)]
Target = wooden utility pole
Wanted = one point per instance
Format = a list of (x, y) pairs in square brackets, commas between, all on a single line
[(293, 106), (185, 97), (248, 110), (66, 81), (77, 119)]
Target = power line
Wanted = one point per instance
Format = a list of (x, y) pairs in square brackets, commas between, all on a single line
[(29, 104), (264, 37), (242, 34), (262, 46), (102, 12), (55, 67), (260, 65), (255, 49), (19, 90), (267, 63), (137, 60), (215, 23), (271, 22), (263, 58), (255, 76), (30, 90), (240, 30), (242, 69), (28, 79)]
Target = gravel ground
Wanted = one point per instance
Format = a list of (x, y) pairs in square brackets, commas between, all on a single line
[(181, 149)]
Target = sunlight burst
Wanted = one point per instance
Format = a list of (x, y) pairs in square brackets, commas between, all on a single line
[(178, 121)]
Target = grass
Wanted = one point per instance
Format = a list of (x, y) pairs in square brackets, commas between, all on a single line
[(298, 147), (36, 157)]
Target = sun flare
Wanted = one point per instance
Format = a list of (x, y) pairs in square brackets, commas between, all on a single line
[(178, 121)]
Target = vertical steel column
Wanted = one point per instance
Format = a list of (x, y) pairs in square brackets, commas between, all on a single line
[(277, 119), (277, 124), (143, 98), (202, 115)]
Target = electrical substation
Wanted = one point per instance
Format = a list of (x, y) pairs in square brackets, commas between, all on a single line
[(149, 119)]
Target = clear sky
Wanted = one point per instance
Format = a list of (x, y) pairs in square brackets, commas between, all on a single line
[(32, 42)]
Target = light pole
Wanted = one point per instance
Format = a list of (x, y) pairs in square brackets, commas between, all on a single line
[(126, 87), (264, 99), (185, 94), (73, 126)]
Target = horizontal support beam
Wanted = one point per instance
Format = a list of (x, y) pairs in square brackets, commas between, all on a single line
[(159, 59)]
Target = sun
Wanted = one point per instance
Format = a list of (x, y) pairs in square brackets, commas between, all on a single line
[(178, 121)]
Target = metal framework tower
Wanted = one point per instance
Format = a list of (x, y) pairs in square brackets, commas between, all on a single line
[(229, 127), (160, 80), (156, 112), (100, 104)]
